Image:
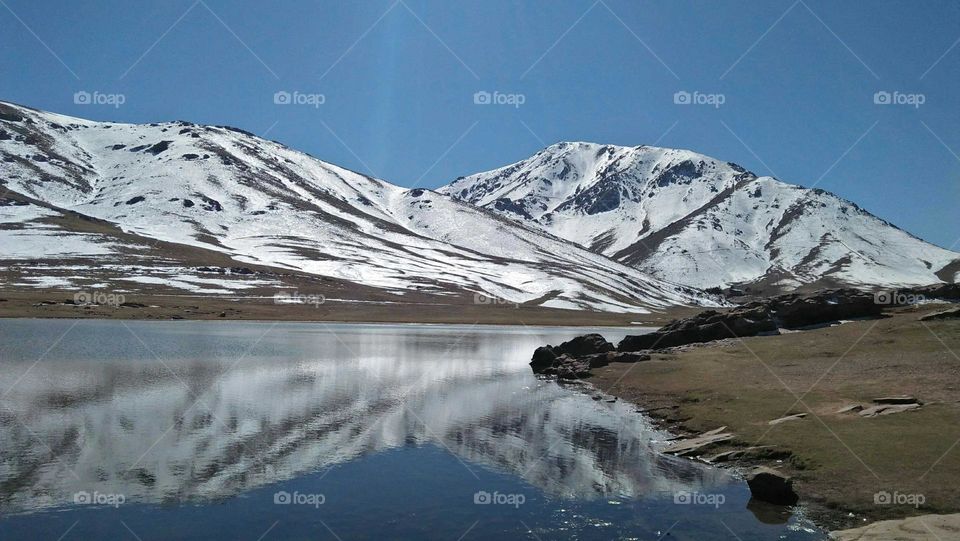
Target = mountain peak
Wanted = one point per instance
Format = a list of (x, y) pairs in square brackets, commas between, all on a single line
[(696, 220)]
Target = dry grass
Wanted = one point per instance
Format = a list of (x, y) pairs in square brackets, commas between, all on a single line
[(840, 460)]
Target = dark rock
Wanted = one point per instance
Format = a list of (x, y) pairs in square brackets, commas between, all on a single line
[(574, 359), (896, 400), (543, 356), (945, 314), (159, 147), (759, 317), (704, 327), (584, 345), (769, 485)]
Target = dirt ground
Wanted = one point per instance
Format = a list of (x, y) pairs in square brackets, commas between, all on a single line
[(55, 304), (843, 463)]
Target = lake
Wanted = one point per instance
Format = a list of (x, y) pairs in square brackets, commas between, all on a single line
[(255, 430)]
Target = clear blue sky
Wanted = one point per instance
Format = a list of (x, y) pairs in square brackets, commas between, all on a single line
[(399, 79)]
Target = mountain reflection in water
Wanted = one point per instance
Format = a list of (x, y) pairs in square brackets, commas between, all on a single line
[(164, 412)]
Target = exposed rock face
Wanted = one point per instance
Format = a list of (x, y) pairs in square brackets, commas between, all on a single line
[(569, 367), (771, 486), (759, 317), (704, 327), (573, 358), (945, 314)]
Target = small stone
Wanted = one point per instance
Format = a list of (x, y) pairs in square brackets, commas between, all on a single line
[(794, 417)]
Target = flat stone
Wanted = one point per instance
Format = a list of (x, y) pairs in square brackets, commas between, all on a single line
[(902, 399), (737, 454), (688, 446), (794, 417), (850, 409), (888, 409)]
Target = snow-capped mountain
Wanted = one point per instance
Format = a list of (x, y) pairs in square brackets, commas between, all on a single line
[(225, 191), (695, 220)]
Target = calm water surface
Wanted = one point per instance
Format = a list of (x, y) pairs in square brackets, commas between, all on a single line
[(260, 431)]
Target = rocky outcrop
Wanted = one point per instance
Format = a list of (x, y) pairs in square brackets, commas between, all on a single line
[(771, 486), (695, 444), (704, 327), (944, 314), (587, 344), (569, 367), (760, 317)]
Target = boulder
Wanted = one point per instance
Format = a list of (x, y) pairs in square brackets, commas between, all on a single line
[(543, 356), (575, 358), (793, 311), (902, 399), (704, 327), (771, 486), (584, 345), (759, 317)]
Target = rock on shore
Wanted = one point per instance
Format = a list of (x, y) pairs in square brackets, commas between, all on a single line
[(760, 317)]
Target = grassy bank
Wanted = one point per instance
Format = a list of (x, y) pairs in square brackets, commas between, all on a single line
[(840, 460)]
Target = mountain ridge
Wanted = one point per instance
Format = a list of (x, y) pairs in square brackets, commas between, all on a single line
[(258, 202), (667, 211)]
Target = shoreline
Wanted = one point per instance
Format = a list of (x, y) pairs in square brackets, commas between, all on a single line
[(839, 462)]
